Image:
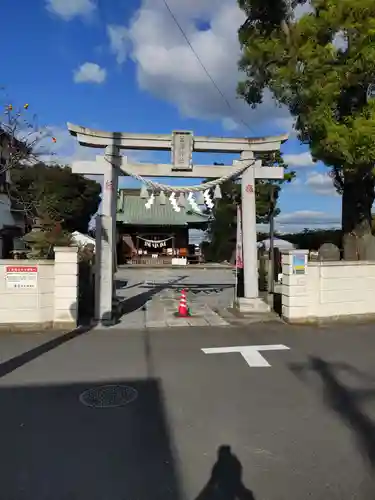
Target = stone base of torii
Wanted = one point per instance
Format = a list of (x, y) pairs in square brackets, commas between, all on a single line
[(113, 164)]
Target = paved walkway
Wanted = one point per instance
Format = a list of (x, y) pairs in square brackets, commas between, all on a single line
[(150, 296), (162, 312)]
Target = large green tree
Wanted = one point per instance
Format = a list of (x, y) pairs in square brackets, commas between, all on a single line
[(222, 229), (56, 192), (320, 66)]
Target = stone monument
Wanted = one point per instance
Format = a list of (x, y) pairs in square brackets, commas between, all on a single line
[(328, 252)]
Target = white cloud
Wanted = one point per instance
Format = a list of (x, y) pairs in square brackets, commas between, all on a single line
[(230, 124), (119, 42), (321, 184), (307, 218), (90, 73), (299, 160), (68, 9), (291, 222), (168, 68), (287, 124), (66, 149)]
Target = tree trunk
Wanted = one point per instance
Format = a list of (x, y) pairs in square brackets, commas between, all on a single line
[(357, 200)]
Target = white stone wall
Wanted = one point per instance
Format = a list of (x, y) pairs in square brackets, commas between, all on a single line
[(54, 300), (66, 285), (327, 290)]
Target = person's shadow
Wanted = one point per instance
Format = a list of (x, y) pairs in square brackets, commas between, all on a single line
[(225, 482)]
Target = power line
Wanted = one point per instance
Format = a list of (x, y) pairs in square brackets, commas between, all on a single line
[(233, 112)]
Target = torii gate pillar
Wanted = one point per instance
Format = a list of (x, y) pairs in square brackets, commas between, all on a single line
[(105, 236), (251, 301)]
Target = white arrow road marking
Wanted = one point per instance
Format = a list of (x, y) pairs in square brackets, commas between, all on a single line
[(250, 353)]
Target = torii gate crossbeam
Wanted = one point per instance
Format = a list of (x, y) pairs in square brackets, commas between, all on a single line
[(163, 142)]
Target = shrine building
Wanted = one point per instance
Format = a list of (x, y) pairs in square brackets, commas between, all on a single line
[(157, 235)]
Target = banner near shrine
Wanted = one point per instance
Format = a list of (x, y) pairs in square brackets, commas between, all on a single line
[(154, 243), (21, 277)]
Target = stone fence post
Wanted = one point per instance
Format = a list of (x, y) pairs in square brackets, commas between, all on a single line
[(66, 287), (295, 297)]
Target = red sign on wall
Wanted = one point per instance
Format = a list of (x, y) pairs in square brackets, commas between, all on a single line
[(249, 188), (21, 277)]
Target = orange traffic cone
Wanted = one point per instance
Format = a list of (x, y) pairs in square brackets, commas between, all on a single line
[(183, 311)]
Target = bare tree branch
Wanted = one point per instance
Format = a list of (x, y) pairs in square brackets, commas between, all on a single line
[(22, 143)]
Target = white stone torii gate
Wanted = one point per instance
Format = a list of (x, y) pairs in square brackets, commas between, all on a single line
[(181, 144)]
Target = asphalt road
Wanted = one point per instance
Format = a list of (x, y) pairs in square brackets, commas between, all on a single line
[(303, 427)]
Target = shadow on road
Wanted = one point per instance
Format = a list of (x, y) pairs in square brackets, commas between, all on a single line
[(123, 284), (136, 302), (55, 447), (120, 284), (16, 362), (344, 401), (196, 287), (123, 306), (225, 482)]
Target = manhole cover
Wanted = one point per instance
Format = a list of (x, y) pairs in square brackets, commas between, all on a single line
[(108, 396)]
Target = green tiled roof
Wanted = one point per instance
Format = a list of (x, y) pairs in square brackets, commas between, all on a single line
[(131, 210)]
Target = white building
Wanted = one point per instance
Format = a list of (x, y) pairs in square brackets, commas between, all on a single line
[(12, 221)]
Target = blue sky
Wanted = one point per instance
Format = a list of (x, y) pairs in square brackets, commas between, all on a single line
[(124, 65)]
